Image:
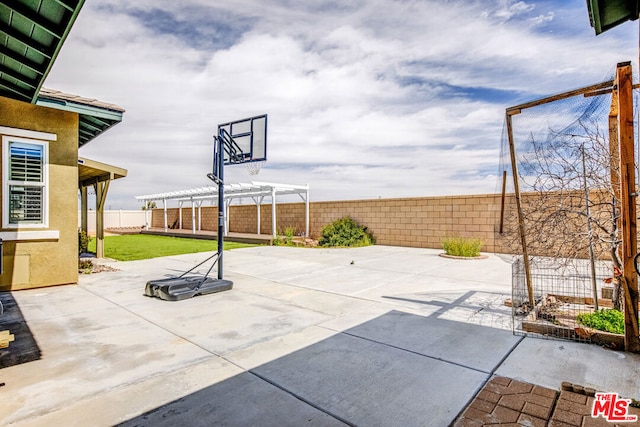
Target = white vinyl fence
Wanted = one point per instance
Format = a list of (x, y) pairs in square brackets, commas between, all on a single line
[(114, 219)]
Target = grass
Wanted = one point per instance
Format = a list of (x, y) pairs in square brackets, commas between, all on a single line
[(133, 247), (460, 246)]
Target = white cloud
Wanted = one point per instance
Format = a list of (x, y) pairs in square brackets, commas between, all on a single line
[(377, 98)]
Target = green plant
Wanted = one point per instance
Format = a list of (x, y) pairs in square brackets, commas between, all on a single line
[(608, 320), (346, 232), (289, 232), (83, 241), (462, 246), (85, 266), (285, 238)]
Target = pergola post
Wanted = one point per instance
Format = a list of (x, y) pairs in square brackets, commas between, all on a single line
[(180, 214), (227, 206), (306, 213), (258, 201), (273, 213), (259, 206), (193, 216), (164, 205)]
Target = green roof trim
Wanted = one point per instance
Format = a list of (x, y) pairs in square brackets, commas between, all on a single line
[(96, 117), (32, 33), (607, 14)]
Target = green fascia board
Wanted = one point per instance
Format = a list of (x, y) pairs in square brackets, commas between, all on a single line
[(607, 14), (67, 30), (82, 109)]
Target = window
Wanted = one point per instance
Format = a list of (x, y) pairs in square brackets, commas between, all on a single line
[(25, 176)]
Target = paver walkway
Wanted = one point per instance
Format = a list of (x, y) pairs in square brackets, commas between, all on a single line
[(508, 402)]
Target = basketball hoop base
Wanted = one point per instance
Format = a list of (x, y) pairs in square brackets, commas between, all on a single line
[(180, 288)]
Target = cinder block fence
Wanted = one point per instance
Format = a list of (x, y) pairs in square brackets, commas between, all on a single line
[(415, 222)]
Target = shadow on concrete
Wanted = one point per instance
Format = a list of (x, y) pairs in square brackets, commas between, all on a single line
[(461, 301), (398, 369), (24, 347)]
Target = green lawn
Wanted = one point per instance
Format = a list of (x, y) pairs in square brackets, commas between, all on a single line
[(132, 247)]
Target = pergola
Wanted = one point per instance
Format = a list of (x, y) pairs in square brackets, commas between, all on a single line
[(256, 191)]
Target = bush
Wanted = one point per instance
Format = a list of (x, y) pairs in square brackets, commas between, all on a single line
[(345, 232), (286, 237), (604, 320), (461, 246), (83, 242), (85, 266)]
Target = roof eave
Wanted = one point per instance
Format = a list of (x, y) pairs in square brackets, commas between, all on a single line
[(67, 30)]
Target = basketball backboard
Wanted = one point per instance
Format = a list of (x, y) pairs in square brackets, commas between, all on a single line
[(244, 140)]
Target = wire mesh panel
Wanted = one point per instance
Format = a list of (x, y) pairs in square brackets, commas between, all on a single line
[(562, 293), (564, 222)]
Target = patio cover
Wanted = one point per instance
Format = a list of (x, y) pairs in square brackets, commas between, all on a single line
[(97, 175), (256, 191)]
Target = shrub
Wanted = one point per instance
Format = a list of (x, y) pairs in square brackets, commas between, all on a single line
[(604, 320), (286, 237), (461, 246), (345, 232), (83, 241), (85, 266)]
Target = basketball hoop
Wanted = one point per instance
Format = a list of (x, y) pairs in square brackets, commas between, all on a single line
[(254, 167)]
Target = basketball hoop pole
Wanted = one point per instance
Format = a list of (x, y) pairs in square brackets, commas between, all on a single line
[(221, 213)]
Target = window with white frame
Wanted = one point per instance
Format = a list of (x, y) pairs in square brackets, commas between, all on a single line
[(25, 179)]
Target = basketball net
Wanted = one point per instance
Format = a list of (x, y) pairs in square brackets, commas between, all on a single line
[(254, 167)]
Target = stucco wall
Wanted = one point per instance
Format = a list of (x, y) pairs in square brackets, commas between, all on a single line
[(30, 264)]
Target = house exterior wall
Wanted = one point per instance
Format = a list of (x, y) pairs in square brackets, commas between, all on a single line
[(47, 261)]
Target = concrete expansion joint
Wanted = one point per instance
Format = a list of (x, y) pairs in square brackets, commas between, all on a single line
[(403, 349)]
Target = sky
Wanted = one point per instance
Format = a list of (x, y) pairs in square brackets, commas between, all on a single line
[(365, 98)]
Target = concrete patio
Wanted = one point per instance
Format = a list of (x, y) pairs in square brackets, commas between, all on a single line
[(375, 336)]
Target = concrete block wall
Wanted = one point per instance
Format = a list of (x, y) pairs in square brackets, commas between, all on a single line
[(414, 222)]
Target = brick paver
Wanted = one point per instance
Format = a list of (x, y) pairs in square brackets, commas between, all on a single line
[(508, 402)]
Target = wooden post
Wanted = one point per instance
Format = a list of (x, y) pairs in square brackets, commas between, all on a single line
[(84, 222), (101, 188), (516, 187), (629, 279)]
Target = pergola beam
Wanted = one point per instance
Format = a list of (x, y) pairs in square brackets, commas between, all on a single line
[(256, 191)]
